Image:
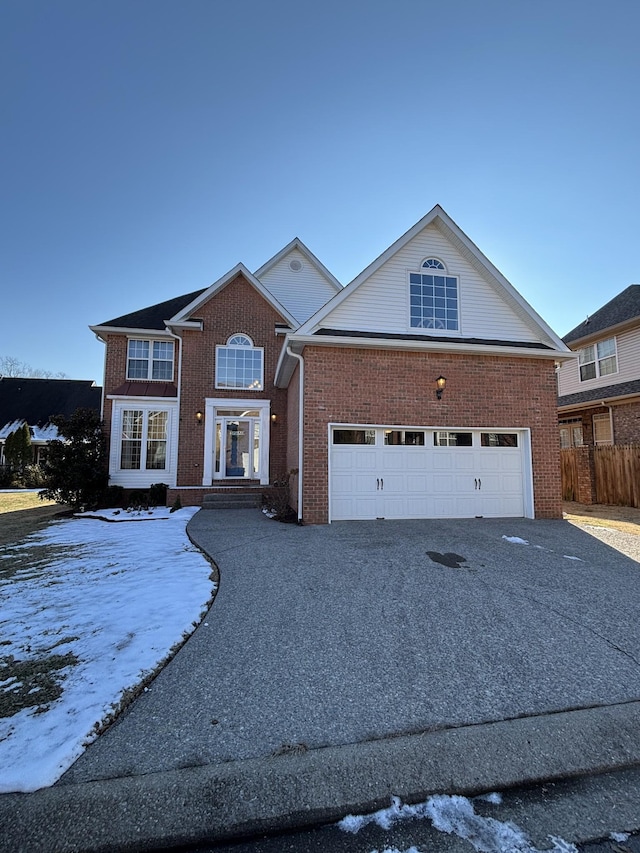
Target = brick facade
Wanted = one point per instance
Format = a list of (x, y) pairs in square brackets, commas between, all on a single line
[(236, 309), (345, 385)]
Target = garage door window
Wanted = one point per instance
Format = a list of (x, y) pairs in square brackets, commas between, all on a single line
[(404, 438), (354, 436), (452, 439), (499, 439)]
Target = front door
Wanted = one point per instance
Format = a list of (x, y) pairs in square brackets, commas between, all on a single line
[(237, 447)]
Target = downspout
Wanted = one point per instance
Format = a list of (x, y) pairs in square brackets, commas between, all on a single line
[(178, 340), (300, 427)]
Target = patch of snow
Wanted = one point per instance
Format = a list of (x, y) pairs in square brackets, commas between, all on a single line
[(567, 557), (456, 815), (117, 599), (620, 837), (494, 798), (516, 540)]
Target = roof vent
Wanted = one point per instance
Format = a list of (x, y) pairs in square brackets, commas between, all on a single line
[(295, 265)]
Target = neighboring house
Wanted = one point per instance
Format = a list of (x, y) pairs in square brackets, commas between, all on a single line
[(599, 392), (284, 371), (35, 401)]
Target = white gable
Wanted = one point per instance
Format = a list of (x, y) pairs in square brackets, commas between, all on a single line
[(298, 281), (380, 303)]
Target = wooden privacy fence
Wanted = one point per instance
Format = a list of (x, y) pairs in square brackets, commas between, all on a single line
[(607, 474), (617, 475)]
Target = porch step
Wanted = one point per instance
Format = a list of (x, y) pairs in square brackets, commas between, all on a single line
[(232, 501)]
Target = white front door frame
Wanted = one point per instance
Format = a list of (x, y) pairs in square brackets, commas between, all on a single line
[(211, 406)]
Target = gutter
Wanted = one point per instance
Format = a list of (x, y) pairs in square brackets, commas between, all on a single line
[(300, 427)]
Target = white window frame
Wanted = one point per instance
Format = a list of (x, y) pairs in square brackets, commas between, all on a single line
[(142, 478), (442, 271), (144, 437), (234, 345), (150, 359), (597, 359)]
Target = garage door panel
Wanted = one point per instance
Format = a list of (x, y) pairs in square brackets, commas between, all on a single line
[(427, 481)]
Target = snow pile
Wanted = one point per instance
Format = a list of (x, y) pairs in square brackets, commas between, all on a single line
[(93, 608), (456, 816), (516, 540)]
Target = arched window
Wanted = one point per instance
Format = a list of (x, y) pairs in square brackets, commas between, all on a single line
[(433, 298), (239, 364), (433, 264)]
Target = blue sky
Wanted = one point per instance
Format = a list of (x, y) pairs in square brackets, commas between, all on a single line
[(148, 146)]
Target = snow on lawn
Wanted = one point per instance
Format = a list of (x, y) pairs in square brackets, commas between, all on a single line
[(89, 611), (456, 816)]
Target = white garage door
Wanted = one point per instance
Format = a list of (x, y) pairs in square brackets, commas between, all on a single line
[(426, 473)]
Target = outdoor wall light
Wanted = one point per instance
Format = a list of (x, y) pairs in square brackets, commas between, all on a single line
[(199, 417), (274, 418), (440, 383)]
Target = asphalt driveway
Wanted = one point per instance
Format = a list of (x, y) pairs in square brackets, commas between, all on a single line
[(348, 633)]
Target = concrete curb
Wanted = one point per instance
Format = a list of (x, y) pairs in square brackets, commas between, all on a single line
[(162, 810)]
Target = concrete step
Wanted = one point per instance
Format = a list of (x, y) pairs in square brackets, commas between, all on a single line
[(229, 500)]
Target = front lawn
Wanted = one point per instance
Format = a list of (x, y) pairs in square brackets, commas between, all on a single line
[(91, 610)]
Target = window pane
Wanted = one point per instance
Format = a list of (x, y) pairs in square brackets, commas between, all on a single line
[(354, 436), (156, 455), (607, 347), (565, 441), (130, 454), (588, 371), (602, 429), (586, 354), (452, 439), (607, 366), (498, 439)]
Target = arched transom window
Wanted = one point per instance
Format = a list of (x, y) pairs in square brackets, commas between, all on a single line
[(433, 298), (240, 364)]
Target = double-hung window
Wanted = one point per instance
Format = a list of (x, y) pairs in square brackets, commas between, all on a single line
[(598, 360), (239, 364), (433, 298), (144, 440), (150, 360)]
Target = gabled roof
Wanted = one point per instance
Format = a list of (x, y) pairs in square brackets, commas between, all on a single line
[(297, 243), (36, 400), (186, 313), (466, 247), (623, 308)]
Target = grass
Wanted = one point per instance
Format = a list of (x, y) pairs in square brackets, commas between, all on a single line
[(16, 501)]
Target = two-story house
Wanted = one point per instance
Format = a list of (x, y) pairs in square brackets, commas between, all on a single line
[(599, 392), (424, 388)]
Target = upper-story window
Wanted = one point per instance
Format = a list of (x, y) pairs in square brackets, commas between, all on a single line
[(240, 365), (598, 360), (433, 297), (150, 360)]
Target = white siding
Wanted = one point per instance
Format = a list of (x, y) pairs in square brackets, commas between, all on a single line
[(382, 302), (142, 479), (628, 346), (302, 292)]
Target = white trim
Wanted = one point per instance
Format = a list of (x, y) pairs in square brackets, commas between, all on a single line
[(211, 404), (300, 430), (99, 331), (150, 359), (142, 478)]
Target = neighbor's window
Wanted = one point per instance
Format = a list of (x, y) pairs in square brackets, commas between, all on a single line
[(240, 365), (571, 433), (433, 297), (144, 439), (602, 432), (598, 360), (452, 439), (150, 360)]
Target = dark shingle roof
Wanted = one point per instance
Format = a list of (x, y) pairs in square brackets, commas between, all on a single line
[(35, 400), (620, 389), (154, 316), (625, 306)]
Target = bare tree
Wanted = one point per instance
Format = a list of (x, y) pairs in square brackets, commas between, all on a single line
[(13, 367)]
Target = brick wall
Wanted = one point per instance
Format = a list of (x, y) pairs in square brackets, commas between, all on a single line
[(390, 387), (626, 423), (237, 308), (115, 373)]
